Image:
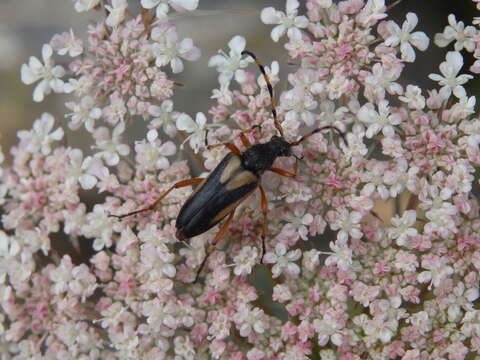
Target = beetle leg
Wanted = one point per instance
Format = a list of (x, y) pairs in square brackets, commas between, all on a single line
[(232, 147), (177, 185), (285, 172), (244, 139), (264, 207), (214, 243)]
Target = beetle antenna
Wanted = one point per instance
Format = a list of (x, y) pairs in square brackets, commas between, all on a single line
[(270, 90), (304, 137)]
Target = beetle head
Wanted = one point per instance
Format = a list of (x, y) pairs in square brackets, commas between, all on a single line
[(280, 147)]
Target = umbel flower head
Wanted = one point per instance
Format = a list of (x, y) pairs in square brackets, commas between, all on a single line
[(341, 277)]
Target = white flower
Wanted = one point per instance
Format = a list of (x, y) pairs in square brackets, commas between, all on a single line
[(462, 178), (247, 319), (471, 322), (434, 197), (164, 117), (462, 109), (327, 329), (331, 116), (406, 261), (245, 260), (85, 5), (163, 6), (113, 314), (213, 157), (348, 223), (402, 229), (381, 329), (232, 64), (421, 321), (281, 293), (295, 191), (67, 43), (77, 281), (310, 260), (396, 177), (289, 22), (49, 74), (297, 104), (61, 276), (168, 49), (441, 220), (83, 112), (356, 146), (382, 79), (81, 86), (272, 73), (194, 253), (116, 12), (83, 283), (184, 348), (99, 226), (197, 128), (336, 87), (284, 262), (152, 154), (437, 270), (83, 170), (74, 219), (40, 138), (342, 255), (449, 81), (468, 295), (381, 120), (298, 222), (156, 261), (9, 248), (111, 148), (413, 97), (372, 12), (464, 36), (223, 95), (404, 37)]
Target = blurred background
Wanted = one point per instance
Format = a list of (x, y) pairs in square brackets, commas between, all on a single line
[(25, 25)]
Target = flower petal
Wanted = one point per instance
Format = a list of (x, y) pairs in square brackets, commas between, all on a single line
[(237, 44), (185, 123), (277, 32), (270, 16)]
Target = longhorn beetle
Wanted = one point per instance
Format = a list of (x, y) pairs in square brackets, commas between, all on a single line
[(232, 181)]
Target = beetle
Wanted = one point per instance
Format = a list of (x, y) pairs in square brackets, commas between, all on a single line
[(236, 177)]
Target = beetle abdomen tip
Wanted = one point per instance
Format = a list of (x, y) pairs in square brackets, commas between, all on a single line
[(180, 235)]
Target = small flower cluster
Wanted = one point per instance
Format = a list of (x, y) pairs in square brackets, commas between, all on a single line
[(390, 288), (120, 73)]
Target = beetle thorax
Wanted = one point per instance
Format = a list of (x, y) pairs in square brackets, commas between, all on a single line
[(260, 157)]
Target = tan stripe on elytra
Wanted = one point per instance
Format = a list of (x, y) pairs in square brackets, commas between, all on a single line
[(243, 178), (229, 208), (233, 164)]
